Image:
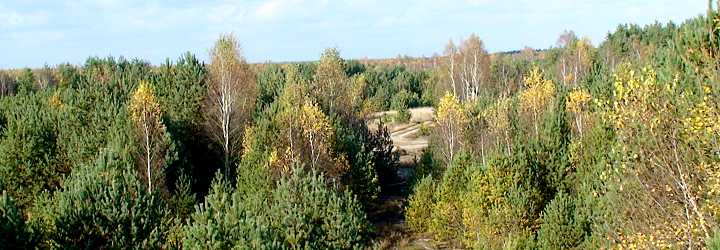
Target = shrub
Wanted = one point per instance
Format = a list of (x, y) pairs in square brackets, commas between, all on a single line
[(104, 205), (559, 229), (303, 211), (428, 165), (309, 214), (14, 233), (403, 115), (446, 220), (420, 205), (424, 130)]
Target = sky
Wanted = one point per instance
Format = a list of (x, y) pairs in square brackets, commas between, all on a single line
[(34, 33)]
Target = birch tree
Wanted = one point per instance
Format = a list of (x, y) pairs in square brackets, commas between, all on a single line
[(469, 67), (330, 83), (147, 118), (667, 147), (538, 93), (575, 60), (452, 121), (451, 54), (231, 96), (577, 103)]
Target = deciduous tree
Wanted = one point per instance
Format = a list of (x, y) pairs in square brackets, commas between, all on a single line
[(452, 121), (150, 132), (577, 103), (331, 84), (231, 96), (537, 94), (469, 67)]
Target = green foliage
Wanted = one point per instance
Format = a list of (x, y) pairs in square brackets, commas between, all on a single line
[(181, 89), (713, 242), (271, 82), (354, 67), (301, 212), (26, 82), (396, 86), (184, 199), (418, 213), (93, 104), (104, 205), (560, 229), (446, 218), (555, 155), (403, 115), (309, 214), (14, 232), (384, 159), (68, 160), (428, 165), (362, 148), (520, 240), (226, 221), (28, 148)]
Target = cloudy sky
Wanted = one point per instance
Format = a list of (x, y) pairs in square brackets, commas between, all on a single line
[(38, 32)]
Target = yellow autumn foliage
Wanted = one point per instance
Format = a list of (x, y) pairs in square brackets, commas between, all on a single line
[(452, 120), (538, 93), (498, 120), (144, 107), (666, 167), (147, 117), (577, 100), (55, 101), (450, 109)]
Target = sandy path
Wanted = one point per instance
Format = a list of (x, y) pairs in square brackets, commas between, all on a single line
[(406, 136), (410, 144)]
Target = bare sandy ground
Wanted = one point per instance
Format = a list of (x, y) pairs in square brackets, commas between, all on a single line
[(406, 136), (410, 144)]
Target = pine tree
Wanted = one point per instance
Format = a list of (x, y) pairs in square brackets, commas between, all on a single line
[(104, 205), (559, 228), (14, 232)]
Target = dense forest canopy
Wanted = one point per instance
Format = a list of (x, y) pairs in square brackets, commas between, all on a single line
[(573, 146)]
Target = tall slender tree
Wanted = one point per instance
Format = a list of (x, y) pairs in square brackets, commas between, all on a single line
[(147, 118), (452, 121), (537, 94), (469, 67), (231, 96), (331, 84)]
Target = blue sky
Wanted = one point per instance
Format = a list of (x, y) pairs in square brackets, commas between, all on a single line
[(36, 32)]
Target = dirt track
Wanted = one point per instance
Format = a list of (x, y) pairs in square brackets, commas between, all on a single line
[(407, 136), (410, 143)]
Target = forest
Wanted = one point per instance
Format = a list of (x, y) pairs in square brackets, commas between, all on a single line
[(576, 146)]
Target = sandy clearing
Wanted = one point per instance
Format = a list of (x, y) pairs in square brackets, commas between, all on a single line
[(406, 136)]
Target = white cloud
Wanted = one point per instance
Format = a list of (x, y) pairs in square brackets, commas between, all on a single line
[(274, 9), (12, 19)]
